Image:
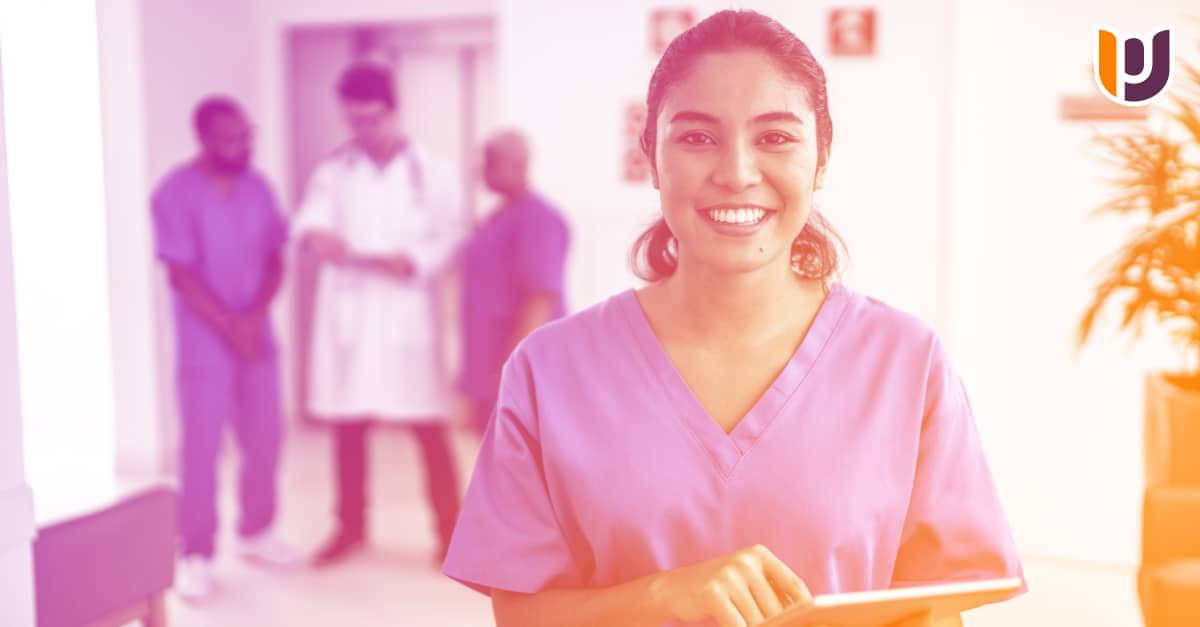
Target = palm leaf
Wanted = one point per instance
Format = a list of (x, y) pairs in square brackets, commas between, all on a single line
[(1155, 274)]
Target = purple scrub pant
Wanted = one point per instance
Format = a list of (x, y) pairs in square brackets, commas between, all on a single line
[(246, 396)]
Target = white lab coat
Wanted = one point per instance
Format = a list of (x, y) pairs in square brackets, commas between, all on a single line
[(375, 341)]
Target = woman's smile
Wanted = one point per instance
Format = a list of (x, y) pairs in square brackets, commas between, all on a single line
[(736, 220)]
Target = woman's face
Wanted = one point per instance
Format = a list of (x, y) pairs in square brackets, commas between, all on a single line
[(736, 162)]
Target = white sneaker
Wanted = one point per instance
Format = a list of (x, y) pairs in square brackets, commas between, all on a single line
[(193, 578), (265, 548)]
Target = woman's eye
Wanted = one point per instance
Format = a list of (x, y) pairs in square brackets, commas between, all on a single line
[(776, 139), (696, 139)]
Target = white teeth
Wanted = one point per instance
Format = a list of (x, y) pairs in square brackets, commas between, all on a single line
[(748, 215)]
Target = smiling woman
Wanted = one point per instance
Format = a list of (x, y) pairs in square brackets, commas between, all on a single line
[(773, 434), (800, 130)]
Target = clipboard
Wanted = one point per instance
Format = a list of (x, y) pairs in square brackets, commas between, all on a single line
[(884, 607)]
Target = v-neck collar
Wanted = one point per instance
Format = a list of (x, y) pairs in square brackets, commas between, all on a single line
[(727, 450), (235, 185)]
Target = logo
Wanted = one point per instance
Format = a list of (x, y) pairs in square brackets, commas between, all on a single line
[(1132, 71)]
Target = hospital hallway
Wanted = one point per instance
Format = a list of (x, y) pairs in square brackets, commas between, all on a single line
[(224, 216), (395, 584)]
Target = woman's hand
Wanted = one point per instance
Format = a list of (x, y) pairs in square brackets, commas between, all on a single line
[(741, 589)]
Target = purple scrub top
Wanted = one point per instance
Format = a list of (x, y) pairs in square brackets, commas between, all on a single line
[(860, 467), (226, 240)]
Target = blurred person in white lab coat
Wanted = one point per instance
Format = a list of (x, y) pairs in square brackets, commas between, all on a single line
[(383, 216)]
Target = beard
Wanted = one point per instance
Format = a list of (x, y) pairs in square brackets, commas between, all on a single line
[(231, 165)]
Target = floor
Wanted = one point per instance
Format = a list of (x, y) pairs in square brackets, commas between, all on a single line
[(397, 584)]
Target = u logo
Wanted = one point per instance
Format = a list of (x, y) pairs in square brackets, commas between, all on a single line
[(1128, 71)]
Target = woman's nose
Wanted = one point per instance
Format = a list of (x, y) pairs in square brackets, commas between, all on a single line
[(737, 169)]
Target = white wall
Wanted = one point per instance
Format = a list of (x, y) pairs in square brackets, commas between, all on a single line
[(141, 440), (193, 49), (566, 72), (60, 259), (1064, 433), (16, 500), (315, 59), (887, 189)]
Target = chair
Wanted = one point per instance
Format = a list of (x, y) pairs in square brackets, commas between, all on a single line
[(109, 565)]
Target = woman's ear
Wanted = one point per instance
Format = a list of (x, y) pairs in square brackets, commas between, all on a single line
[(654, 176), (819, 181)]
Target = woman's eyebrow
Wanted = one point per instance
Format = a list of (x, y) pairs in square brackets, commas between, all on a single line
[(705, 118), (694, 116), (779, 116)]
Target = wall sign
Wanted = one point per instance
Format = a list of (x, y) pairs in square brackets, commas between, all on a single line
[(635, 166), (852, 32)]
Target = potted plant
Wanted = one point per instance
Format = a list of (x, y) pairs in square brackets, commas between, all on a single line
[(1155, 276)]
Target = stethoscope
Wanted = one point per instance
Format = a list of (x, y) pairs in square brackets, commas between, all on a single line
[(408, 153)]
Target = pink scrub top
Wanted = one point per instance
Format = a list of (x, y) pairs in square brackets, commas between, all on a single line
[(860, 467)]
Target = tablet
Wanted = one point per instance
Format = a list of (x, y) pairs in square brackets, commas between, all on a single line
[(884, 607)]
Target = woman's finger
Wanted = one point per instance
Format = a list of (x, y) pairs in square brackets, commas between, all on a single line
[(726, 614), (745, 604), (785, 581), (768, 600)]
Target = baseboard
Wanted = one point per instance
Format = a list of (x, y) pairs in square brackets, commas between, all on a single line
[(17, 525)]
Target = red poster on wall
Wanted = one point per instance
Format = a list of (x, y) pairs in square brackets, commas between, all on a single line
[(852, 32), (665, 24), (635, 167)]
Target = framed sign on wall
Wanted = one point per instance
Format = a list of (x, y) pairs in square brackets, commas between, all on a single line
[(852, 32), (635, 167)]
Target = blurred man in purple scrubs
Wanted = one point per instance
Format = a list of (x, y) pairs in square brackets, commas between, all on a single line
[(512, 272), (219, 232)]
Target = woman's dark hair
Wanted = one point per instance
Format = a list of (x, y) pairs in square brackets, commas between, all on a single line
[(815, 251), (367, 82)]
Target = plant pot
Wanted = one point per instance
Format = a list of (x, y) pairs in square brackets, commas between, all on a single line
[(1172, 430)]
